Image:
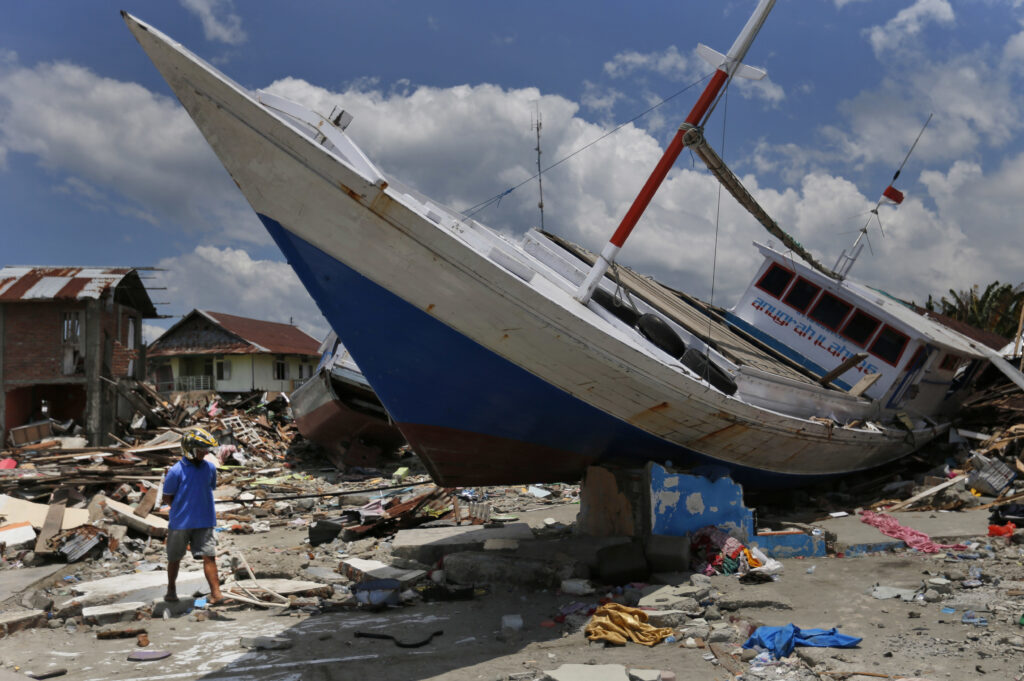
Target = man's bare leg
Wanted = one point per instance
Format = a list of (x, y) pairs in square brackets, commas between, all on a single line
[(212, 578), (172, 577)]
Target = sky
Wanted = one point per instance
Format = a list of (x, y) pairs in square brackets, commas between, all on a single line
[(100, 165)]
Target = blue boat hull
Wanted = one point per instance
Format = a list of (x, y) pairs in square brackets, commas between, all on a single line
[(471, 415)]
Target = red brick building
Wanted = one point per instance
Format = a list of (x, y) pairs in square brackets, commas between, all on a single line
[(67, 335)]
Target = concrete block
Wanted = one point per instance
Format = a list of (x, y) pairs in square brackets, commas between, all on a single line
[(741, 602), (477, 567), (668, 618), (110, 614), (359, 570), (11, 622), (18, 535), (429, 544), (606, 509), (682, 597), (182, 606), (667, 553), (37, 600), (790, 544), (622, 563), (681, 504)]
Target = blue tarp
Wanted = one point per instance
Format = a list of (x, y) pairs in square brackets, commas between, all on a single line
[(780, 641)]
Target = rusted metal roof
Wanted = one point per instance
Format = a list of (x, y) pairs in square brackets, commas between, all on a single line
[(23, 284)]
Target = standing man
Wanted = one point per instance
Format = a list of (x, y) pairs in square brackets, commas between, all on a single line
[(188, 488)]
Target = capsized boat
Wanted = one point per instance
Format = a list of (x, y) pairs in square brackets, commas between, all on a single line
[(510, 362), (337, 409)]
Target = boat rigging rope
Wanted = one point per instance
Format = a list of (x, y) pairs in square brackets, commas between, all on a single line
[(473, 210), (714, 254)]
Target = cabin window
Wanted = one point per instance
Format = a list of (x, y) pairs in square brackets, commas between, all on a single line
[(775, 280), (889, 345), (950, 362), (801, 295), (830, 311), (860, 328)]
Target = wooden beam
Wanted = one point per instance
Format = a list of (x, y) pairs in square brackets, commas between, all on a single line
[(865, 382), (51, 526), (849, 363), (147, 503), (927, 493)]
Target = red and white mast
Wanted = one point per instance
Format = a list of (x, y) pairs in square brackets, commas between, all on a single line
[(728, 66)]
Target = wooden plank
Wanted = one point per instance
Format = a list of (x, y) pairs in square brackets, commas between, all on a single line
[(147, 503), (863, 384), (850, 362), (927, 493), (51, 526)]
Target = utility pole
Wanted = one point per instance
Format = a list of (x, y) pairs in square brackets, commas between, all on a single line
[(540, 182)]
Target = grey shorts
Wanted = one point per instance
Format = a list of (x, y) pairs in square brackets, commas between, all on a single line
[(202, 542)]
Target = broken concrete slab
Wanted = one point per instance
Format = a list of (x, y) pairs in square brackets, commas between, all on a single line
[(359, 569), (13, 582), (115, 612), (588, 672), (854, 538), (18, 535), (151, 525), (668, 618), (136, 586), (289, 587), (17, 620), (644, 675), (732, 602), (324, 575), (478, 567), (13, 510), (675, 597), (429, 544), (182, 606)]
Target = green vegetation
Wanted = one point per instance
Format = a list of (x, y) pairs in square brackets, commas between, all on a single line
[(997, 308)]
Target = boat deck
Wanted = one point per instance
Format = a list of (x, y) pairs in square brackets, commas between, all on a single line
[(701, 319)]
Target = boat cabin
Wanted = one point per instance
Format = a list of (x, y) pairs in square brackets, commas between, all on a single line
[(916, 364)]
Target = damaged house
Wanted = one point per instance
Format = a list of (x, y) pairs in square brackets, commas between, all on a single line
[(67, 335), (230, 354)]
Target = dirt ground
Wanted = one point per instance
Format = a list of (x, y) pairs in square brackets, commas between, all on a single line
[(902, 639)]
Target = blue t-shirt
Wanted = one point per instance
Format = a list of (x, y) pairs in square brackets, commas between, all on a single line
[(192, 487)]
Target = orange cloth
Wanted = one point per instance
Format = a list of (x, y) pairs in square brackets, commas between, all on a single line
[(751, 561), (618, 624)]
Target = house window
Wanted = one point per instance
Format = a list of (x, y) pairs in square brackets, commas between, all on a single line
[(775, 280), (223, 369), (830, 311), (860, 328), (280, 368), (889, 345), (72, 357), (130, 344), (72, 330), (801, 295)]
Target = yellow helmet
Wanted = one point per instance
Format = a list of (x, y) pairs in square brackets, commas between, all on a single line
[(195, 443)]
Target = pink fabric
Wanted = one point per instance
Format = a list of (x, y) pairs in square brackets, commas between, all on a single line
[(891, 527), (8, 463)]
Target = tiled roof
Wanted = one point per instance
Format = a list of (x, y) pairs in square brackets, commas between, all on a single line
[(272, 337)]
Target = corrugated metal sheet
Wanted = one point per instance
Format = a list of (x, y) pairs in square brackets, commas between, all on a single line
[(58, 283)]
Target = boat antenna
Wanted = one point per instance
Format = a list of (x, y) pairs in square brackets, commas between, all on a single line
[(540, 182), (889, 195), (727, 66)]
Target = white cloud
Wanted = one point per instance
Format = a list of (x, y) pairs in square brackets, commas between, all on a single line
[(669, 63), (598, 98), (229, 280), (219, 20), (908, 24), (138, 150)]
